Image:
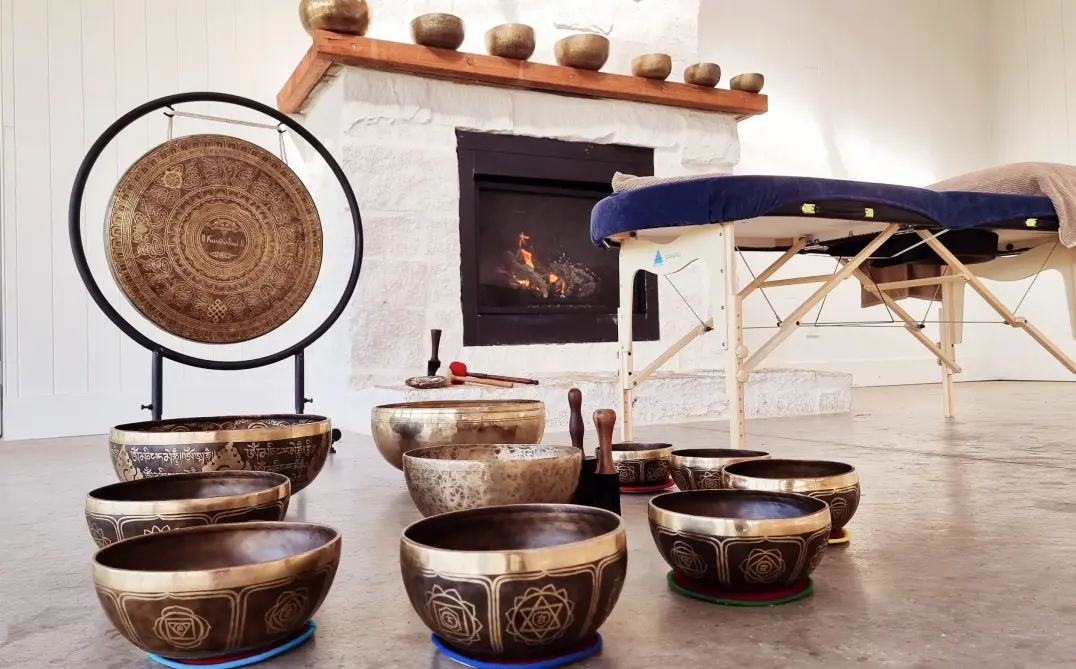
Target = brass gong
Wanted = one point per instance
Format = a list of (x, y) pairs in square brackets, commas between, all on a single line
[(213, 239)]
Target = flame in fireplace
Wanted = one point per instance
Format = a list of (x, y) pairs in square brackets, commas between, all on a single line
[(526, 256), (559, 277)]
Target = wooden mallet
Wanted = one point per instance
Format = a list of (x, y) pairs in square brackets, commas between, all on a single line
[(460, 369)]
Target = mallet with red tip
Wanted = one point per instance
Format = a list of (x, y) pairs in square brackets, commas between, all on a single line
[(459, 370)]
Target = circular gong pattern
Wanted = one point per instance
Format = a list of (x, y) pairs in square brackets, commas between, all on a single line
[(213, 239)]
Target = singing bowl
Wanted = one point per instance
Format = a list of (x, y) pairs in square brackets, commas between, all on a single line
[(652, 66), (702, 74), (351, 17), (641, 464), (295, 445), (453, 478), (398, 428), (444, 31), (515, 583), (511, 40), (584, 51), (835, 483), (700, 468), (740, 540), (750, 83), (216, 590), (135, 508)]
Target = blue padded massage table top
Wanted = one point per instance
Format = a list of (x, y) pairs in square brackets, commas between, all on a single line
[(737, 198)]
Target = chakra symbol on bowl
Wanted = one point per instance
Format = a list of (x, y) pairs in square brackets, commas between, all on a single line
[(681, 479), (762, 565), (99, 537), (658, 472), (627, 472), (454, 618), (287, 611), (181, 627), (710, 480), (686, 560), (838, 506), (540, 615), (156, 529), (819, 553)]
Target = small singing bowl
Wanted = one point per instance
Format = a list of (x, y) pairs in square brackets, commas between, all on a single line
[(443, 31), (641, 464), (584, 51), (398, 428), (702, 74), (454, 478), (652, 66), (835, 483), (749, 83), (295, 445), (700, 468), (216, 590), (135, 508), (511, 40), (351, 17), (515, 583), (740, 540)]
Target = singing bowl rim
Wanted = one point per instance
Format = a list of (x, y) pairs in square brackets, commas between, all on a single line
[(805, 523), (421, 456), (514, 561), (837, 481), (173, 581), (658, 451), (679, 457), (97, 501), (384, 412), (511, 26), (134, 434)]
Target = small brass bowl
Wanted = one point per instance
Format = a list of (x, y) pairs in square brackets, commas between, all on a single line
[(135, 508), (453, 478), (702, 74), (295, 445), (443, 31), (515, 583), (835, 483), (749, 83), (584, 51), (641, 464), (216, 590), (397, 428), (511, 40), (740, 540), (652, 66), (351, 17), (700, 468)]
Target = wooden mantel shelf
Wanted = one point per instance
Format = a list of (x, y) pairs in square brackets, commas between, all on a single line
[(333, 49)]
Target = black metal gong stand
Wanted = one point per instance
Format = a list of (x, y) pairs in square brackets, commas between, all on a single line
[(159, 351)]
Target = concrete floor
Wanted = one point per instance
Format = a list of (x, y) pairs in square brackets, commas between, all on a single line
[(963, 551)]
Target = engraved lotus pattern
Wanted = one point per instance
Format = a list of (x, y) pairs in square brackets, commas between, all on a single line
[(181, 627), (682, 478), (657, 471), (288, 611), (540, 615), (710, 479), (819, 553), (627, 472), (453, 618), (838, 509), (763, 566), (686, 560)]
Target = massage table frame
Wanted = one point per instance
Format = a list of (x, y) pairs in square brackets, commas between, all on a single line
[(716, 246)]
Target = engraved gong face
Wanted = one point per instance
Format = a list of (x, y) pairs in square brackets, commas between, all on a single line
[(213, 239)]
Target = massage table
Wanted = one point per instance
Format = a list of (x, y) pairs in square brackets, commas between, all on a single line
[(970, 236)]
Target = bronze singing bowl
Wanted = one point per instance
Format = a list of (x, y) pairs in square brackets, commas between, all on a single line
[(216, 590), (351, 17), (702, 74), (295, 445), (444, 31), (835, 483), (700, 468), (398, 428), (453, 478), (641, 464), (135, 508), (750, 83), (583, 51), (515, 583), (740, 540), (511, 40), (652, 66)]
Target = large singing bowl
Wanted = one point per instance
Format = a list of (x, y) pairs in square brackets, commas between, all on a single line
[(134, 508), (216, 590), (515, 583), (835, 483), (700, 468), (740, 540), (453, 478), (641, 464), (291, 444), (398, 428)]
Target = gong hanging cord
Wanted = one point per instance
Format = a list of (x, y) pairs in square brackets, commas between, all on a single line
[(280, 128)]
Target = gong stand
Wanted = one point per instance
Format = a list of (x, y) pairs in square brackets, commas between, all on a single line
[(160, 352)]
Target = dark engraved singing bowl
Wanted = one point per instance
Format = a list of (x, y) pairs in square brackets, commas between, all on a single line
[(398, 428), (835, 483), (295, 445), (216, 590), (641, 464), (135, 508), (740, 540), (453, 478), (515, 583), (700, 468)]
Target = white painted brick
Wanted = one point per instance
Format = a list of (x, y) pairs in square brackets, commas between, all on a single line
[(394, 235), (710, 140), (470, 107), (402, 179)]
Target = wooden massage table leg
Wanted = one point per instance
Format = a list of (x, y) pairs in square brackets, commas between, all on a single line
[(949, 319), (735, 351), (624, 317)]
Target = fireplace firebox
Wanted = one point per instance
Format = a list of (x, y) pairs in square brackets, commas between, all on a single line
[(530, 274)]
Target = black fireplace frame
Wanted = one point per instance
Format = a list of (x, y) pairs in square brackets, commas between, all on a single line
[(482, 158)]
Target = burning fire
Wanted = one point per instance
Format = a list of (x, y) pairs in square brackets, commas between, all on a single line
[(548, 278)]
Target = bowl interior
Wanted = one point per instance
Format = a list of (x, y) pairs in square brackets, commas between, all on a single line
[(789, 469), (738, 504), (189, 486), (628, 446), (207, 424), (491, 452), (214, 547), (477, 405), (512, 528), (717, 453)]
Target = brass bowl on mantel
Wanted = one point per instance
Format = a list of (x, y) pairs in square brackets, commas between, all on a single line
[(511, 40), (583, 52), (702, 74), (748, 83), (351, 17), (442, 31), (656, 66)]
